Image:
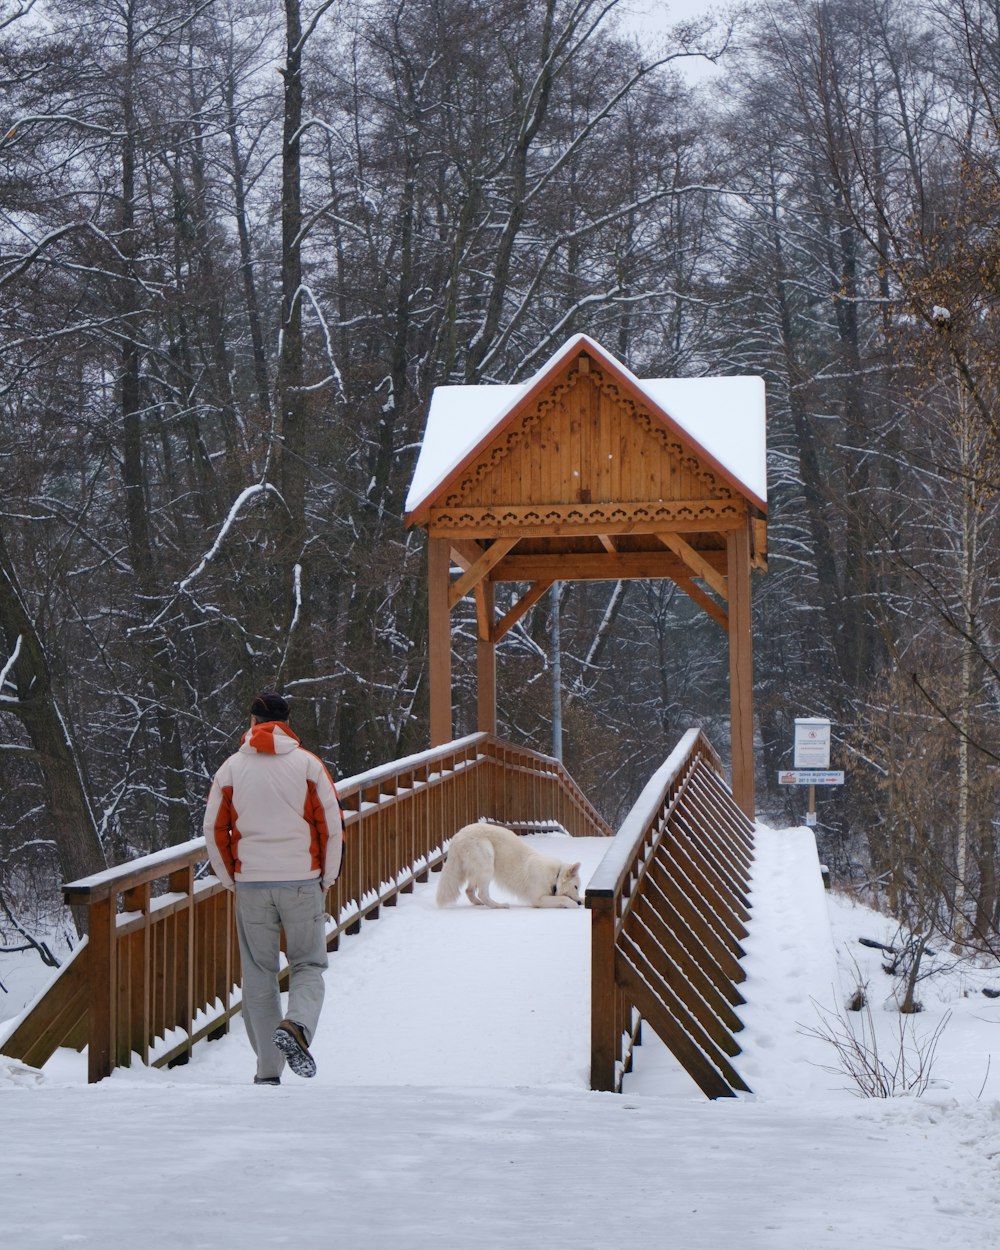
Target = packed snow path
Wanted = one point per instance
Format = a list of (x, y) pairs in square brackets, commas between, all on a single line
[(451, 1108)]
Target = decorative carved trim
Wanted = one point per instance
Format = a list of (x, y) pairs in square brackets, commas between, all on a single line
[(517, 435), (606, 517), (670, 443), (514, 437)]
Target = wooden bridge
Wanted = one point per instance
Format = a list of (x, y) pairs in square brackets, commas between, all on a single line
[(159, 971), (583, 472)]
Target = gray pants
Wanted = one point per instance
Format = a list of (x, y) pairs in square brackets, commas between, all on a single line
[(262, 911)]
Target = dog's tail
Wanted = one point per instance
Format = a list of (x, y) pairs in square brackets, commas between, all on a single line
[(450, 884)]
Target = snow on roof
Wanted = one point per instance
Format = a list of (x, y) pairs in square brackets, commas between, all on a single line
[(724, 416), (458, 419)]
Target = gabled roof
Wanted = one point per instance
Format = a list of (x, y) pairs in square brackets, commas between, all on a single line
[(721, 418)]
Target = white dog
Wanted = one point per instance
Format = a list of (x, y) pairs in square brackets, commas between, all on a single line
[(479, 854)]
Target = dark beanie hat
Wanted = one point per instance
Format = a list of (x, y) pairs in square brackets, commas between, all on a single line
[(269, 706)]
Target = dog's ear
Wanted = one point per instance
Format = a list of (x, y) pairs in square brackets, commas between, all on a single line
[(574, 870)]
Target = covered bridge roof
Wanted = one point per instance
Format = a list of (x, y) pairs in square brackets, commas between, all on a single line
[(721, 420)]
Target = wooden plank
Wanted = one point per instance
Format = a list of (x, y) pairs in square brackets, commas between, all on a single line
[(465, 553), (101, 885), (710, 821), (704, 601), (593, 566), (439, 640), (661, 959), (759, 535), (629, 516), (736, 820), (603, 993), (514, 614), (679, 853), (474, 575), (713, 864), (704, 974), (485, 596), (486, 661), (716, 1078), (740, 669), (695, 561), (668, 901), (140, 979), (699, 919), (103, 992), (55, 1018)]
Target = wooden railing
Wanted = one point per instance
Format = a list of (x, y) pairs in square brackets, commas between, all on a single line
[(160, 968), (669, 904)]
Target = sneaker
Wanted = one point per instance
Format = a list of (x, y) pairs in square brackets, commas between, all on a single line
[(267, 1080), (290, 1039)]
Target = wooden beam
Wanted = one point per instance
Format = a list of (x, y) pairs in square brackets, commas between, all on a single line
[(695, 561), (707, 604), (568, 520), (484, 611), (465, 552), (608, 543), (514, 614), (759, 534), (597, 566), (741, 670), (486, 661), (439, 640), (474, 575)]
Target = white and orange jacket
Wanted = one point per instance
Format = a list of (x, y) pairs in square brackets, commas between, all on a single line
[(273, 812)]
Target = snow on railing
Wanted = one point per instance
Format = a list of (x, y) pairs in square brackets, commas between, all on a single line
[(669, 905), (162, 960)]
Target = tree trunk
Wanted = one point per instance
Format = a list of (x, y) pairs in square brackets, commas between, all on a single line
[(74, 830)]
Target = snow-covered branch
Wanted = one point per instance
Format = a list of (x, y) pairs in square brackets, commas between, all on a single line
[(7, 669), (251, 492)]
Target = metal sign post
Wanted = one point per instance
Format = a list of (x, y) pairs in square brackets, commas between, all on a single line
[(812, 761), (811, 777)]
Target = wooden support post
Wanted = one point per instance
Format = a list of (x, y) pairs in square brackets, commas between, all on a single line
[(486, 661), (439, 640), (102, 958), (740, 668), (603, 994)]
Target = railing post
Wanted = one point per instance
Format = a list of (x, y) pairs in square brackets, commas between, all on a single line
[(102, 942), (137, 1031), (603, 993), (182, 882)]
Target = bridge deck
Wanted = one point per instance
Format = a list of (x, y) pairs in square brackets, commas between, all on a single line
[(447, 996), (385, 1147)]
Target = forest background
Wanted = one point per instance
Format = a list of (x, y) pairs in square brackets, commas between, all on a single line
[(241, 242)]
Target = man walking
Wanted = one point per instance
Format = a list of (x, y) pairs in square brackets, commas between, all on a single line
[(275, 835)]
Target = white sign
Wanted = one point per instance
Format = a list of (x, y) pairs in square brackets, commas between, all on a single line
[(809, 777), (812, 742)]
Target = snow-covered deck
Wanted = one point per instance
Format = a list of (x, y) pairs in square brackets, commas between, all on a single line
[(452, 1105)]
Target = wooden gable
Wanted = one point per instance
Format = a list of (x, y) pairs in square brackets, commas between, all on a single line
[(583, 451)]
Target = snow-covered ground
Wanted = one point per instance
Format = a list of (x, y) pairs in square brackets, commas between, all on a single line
[(451, 1105)]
